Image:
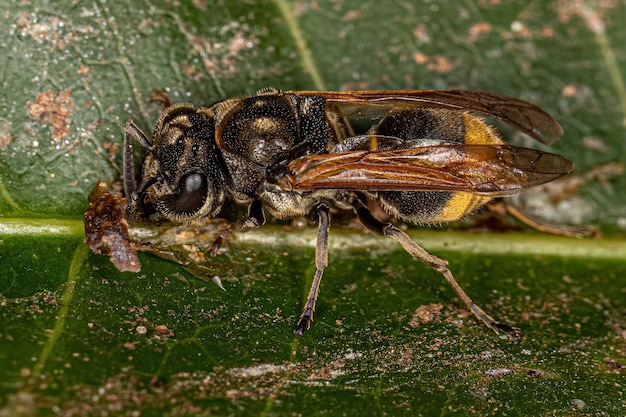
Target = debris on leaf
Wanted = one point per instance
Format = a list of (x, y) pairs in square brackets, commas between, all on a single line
[(106, 229), (107, 233)]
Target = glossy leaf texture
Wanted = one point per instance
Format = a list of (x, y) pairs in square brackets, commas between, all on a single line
[(77, 337)]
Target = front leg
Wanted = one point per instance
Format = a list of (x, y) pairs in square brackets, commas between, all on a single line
[(256, 217), (321, 262)]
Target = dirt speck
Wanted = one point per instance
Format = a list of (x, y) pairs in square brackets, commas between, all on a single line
[(426, 314), (435, 63), (6, 138), (53, 109)]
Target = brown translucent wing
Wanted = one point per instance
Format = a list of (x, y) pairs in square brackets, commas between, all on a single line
[(481, 169), (525, 116)]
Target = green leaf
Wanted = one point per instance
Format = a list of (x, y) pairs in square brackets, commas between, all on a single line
[(389, 335), (77, 337)]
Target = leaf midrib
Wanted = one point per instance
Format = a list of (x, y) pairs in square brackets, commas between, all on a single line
[(524, 243)]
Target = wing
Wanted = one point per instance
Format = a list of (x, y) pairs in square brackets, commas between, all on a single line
[(524, 116), (481, 169)]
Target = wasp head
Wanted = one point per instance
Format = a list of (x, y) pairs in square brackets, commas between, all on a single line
[(183, 176)]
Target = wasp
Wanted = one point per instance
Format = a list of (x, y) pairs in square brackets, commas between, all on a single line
[(425, 156)]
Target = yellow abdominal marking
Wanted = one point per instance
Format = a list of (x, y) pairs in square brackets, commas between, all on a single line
[(460, 204), (478, 133), (463, 203)]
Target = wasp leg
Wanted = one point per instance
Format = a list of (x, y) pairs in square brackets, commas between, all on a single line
[(436, 263), (256, 217), (321, 262), (554, 229), (219, 240)]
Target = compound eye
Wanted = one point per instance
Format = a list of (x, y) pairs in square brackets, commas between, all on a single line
[(190, 199), (192, 194)]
